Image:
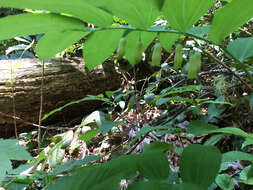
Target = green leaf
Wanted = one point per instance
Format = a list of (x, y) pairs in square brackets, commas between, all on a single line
[(200, 164), (10, 150), (241, 48), (153, 165), (247, 142), (157, 146), (225, 21), (138, 13), (132, 40), (214, 139), (36, 24), (99, 46), (246, 176), (14, 151), (167, 40), (102, 176), (161, 101), (5, 165), (87, 136), (225, 182), (106, 126), (197, 127), (156, 185), (148, 185), (199, 31), (73, 164), (230, 130), (79, 9), (54, 42), (183, 14), (236, 155)]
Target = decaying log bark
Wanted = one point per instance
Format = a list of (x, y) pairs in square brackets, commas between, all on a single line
[(64, 81)]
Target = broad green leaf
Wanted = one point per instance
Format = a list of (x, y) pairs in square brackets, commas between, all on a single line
[(197, 127), (148, 185), (157, 146), (156, 185), (14, 151), (107, 125), (225, 182), (153, 165), (73, 164), (10, 150), (230, 130), (29, 24), (226, 21), (236, 155), (200, 164), (241, 48), (54, 42), (247, 142), (78, 8), (214, 139), (199, 31), (132, 39), (245, 175), (99, 46), (102, 176), (138, 13), (5, 165), (167, 40), (87, 136), (95, 178), (183, 14)]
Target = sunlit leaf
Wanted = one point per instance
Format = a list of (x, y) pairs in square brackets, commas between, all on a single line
[(99, 46), (226, 21), (224, 181), (138, 13), (78, 8), (54, 42), (241, 48), (236, 155), (36, 24), (183, 14)]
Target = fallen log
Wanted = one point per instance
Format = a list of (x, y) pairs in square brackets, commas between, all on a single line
[(64, 81)]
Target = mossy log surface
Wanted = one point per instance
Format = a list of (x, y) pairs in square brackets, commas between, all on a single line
[(64, 81)]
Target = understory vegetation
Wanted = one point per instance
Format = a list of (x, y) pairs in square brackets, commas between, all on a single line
[(184, 123)]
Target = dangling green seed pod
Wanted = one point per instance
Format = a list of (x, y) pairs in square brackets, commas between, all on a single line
[(156, 55), (178, 58), (194, 65), (121, 48), (138, 53)]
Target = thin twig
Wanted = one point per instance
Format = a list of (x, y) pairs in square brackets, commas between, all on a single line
[(41, 103), (33, 124)]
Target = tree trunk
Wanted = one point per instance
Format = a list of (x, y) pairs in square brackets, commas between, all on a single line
[(64, 81)]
